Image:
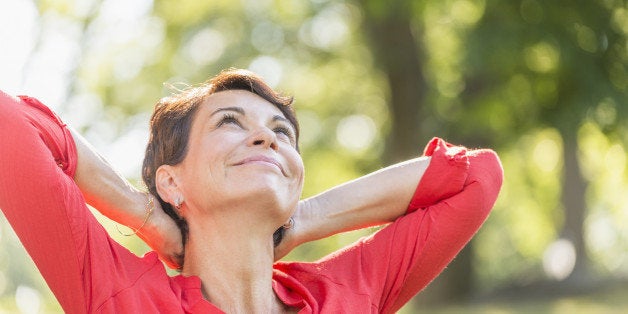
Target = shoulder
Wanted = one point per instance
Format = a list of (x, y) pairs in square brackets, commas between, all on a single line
[(320, 288), (144, 286)]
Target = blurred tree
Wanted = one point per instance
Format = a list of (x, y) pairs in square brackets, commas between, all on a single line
[(395, 32), (527, 65), (566, 61), (398, 51)]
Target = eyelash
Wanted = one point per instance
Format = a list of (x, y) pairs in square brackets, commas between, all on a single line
[(230, 118), (286, 131)]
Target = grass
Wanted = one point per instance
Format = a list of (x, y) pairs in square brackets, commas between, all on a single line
[(605, 301)]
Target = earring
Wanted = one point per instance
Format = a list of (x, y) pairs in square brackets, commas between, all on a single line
[(289, 224), (178, 202)]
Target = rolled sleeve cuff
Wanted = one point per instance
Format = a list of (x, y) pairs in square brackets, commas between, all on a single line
[(445, 176)]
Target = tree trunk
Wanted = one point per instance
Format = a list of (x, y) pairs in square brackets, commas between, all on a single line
[(399, 55), (396, 53), (573, 200)]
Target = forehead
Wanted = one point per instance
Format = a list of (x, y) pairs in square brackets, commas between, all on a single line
[(248, 101)]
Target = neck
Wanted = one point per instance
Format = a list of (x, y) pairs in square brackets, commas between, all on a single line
[(234, 263)]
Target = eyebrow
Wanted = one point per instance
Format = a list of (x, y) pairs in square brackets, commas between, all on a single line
[(280, 118), (236, 109)]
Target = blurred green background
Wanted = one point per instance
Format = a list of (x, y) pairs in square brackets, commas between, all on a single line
[(544, 83)]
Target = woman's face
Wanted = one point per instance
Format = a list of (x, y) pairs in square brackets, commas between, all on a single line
[(241, 154)]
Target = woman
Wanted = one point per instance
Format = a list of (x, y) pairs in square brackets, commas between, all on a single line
[(223, 163)]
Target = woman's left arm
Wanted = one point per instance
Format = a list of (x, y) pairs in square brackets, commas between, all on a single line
[(437, 205), (374, 199), (385, 195)]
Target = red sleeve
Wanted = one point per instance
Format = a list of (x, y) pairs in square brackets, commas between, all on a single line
[(34, 192), (450, 204), (39, 198)]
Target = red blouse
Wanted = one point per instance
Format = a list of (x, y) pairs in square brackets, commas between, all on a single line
[(90, 272)]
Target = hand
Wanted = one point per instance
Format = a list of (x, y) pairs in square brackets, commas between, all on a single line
[(163, 235), (287, 244), (294, 236)]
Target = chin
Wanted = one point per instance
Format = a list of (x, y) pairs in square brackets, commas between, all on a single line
[(269, 194)]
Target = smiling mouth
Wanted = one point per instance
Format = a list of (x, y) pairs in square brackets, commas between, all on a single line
[(262, 160)]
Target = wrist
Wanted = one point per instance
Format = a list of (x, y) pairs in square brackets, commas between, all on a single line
[(158, 220), (138, 218), (304, 229)]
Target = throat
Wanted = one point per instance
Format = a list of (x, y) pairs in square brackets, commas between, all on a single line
[(237, 277)]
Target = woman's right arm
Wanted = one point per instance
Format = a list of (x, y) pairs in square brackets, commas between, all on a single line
[(41, 202), (47, 210), (113, 196)]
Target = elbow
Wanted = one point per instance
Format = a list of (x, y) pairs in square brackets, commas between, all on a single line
[(487, 173)]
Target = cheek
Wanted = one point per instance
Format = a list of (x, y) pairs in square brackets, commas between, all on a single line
[(299, 170), (202, 165)]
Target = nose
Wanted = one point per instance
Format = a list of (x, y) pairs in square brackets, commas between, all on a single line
[(264, 137)]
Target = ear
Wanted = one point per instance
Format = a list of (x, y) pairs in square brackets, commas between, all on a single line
[(167, 184)]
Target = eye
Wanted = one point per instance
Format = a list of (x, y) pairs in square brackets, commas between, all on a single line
[(285, 131), (227, 119)]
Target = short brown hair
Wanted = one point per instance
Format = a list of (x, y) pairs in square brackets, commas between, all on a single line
[(172, 119)]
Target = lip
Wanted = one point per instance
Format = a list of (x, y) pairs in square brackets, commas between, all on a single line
[(262, 158)]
